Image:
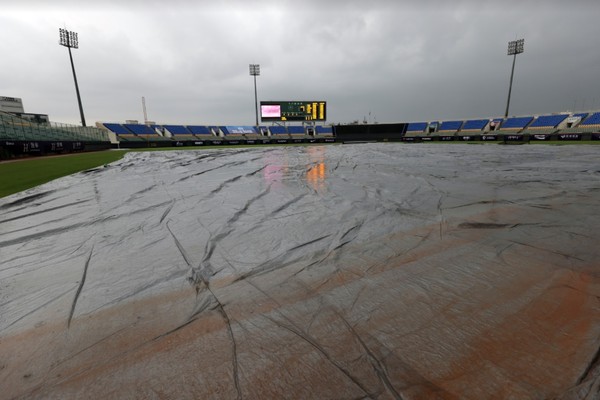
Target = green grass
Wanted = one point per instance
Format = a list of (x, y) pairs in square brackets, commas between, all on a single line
[(16, 176)]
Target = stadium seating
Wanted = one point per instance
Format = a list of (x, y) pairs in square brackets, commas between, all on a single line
[(545, 124), (475, 125), (144, 132), (323, 131), (591, 124), (279, 131), (514, 125), (588, 124), (177, 132), (16, 128), (415, 129), (449, 128), (581, 116), (123, 134), (592, 120), (234, 133), (297, 132), (548, 121), (200, 131)]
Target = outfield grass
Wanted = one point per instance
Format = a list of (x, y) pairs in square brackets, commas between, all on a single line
[(19, 175)]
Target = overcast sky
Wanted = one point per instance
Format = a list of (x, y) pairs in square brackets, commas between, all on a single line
[(386, 61)]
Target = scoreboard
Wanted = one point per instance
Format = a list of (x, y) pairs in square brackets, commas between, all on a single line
[(293, 111)]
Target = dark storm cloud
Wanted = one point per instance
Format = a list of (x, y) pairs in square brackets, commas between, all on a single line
[(381, 60)]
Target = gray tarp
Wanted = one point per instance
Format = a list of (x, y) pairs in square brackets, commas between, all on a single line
[(332, 272)]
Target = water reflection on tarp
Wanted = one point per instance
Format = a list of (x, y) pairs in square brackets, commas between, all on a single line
[(315, 175), (366, 271)]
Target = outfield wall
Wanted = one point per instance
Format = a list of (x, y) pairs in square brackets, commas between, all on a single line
[(370, 133), (21, 148)]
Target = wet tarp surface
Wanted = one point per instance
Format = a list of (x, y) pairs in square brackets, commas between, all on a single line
[(379, 271)]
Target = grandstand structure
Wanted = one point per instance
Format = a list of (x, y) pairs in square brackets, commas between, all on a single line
[(20, 134), (23, 136), (130, 135), (560, 126)]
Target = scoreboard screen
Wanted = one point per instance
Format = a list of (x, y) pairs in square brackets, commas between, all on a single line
[(293, 111)]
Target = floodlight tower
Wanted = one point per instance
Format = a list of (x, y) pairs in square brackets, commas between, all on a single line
[(255, 71), (69, 40), (515, 47)]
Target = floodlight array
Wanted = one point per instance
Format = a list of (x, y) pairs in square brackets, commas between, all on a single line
[(255, 69), (516, 47), (68, 38)]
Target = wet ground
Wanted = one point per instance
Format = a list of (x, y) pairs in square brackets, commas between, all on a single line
[(380, 271)]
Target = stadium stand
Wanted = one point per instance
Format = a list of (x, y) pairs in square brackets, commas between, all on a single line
[(591, 123), (449, 128), (200, 131), (324, 131), (15, 128), (514, 125), (297, 132), (122, 133), (581, 116), (416, 129), (475, 125), (545, 125), (21, 136), (178, 132), (582, 123), (145, 132), (236, 133), (279, 130)]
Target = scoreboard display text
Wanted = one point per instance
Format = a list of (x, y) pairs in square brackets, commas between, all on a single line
[(293, 111)]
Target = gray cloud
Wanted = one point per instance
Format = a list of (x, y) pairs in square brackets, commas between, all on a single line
[(387, 61)]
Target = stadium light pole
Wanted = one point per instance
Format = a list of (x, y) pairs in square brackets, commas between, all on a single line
[(514, 47), (255, 71), (69, 40)]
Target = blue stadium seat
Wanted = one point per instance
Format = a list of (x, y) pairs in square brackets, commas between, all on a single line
[(475, 125), (582, 116), (199, 130), (593, 119), (140, 129), (278, 130), (548, 121), (296, 130), (416, 127), (324, 130), (450, 126), (118, 129), (516, 123), (177, 130)]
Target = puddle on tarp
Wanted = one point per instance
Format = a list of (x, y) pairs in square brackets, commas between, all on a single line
[(363, 271)]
